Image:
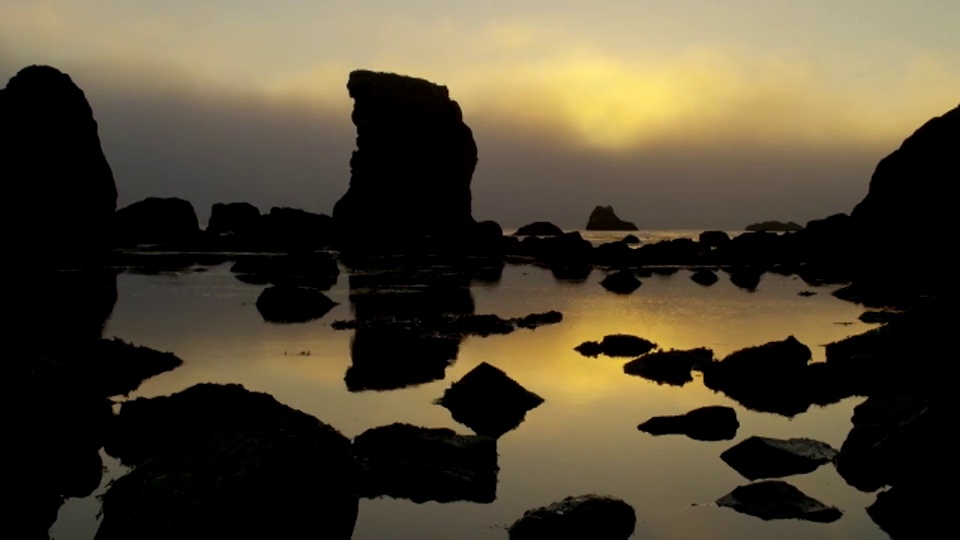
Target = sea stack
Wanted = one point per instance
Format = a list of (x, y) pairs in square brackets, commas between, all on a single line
[(411, 170), (60, 190), (603, 218)]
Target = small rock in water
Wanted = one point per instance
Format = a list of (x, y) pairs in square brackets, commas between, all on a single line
[(621, 282), (774, 499), (763, 457), (593, 517), (286, 304), (488, 401), (617, 345), (669, 367), (714, 423), (705, 277)]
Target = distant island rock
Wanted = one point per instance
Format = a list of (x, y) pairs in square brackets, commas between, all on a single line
[(415, 157), (52, 156), (603, 218), (774, 226)]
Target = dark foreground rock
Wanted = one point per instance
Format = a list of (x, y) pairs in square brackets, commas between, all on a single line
[(669, 367), (288, 304), (763, 457), (621, 282), (714, 423), (488, 401), (774, 499), (617, 345), (218, 460), (539, 228), (603, 218), (118, 367), (411, 171), (58, 186), (422, 464), (907, 513), (577, 518)]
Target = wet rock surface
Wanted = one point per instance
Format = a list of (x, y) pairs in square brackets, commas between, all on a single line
[(488, 401), (773, 499), (577, 518), (423, 464), (616, 345), (218, 460), (288, 304), (764, 457), (712, 423), (672, 367)]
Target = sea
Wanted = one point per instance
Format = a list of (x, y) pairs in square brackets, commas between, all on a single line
[(583, 439)]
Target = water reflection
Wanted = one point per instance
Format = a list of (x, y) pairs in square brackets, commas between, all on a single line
[(583, 438)]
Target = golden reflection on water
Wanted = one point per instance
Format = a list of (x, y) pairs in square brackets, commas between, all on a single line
[(582, 439)]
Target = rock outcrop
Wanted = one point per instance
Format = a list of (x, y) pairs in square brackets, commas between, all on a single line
[(59, 187), (411, 171), (604, 219), (156, 220)]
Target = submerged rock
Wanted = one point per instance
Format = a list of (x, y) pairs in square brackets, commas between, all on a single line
[(713, 423), (539, 228), (221, 461), (670, 367), (488, 401), (763, 457), (774, 499), (411, 171), (621, 282), (617, 345), (287, 304), (422, 464), (603, 218), (59, 188), (594, 517)]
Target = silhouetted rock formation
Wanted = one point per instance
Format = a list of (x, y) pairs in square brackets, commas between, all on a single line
[(604, 219), (237, 218), (746, 278), (219, 460), (597, 517), (909, 208), (293, 229), (289, 304), (411, 171), (713, 239), (156, 221), (704, 276), (117, 368), (422, 464), (714, 423), (52, 157), (488, 401), (621, 282), (669, 367), (774, 499), (539, 228), (317, 270), (763, 457), (774, 226), (617, 345)]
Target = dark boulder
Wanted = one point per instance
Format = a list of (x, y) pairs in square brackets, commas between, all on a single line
[(603, 218), (774, 499), (704, 276), (237, 218), (746, 278), (713, 239), (289, 304), (156, 221), (219, 460), (594, 517), (293, 229), (630, 239), (52, 157), (618, 345), (539, 228), (763, 457), (621, 282), (422, 464), (669, 367), (411, 171), (714, 423), (488, 401)]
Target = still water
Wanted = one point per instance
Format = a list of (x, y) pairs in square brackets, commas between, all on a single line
[(582, 439)]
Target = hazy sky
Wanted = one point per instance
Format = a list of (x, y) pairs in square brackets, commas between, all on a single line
[(680, 113)]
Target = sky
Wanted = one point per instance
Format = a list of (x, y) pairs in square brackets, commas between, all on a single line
[(681, 113)]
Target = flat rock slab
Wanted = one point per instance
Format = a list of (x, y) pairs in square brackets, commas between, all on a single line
[(616, 345), (773, 499), (713, 423), (488, 401), (594, 517), (763, 457)]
